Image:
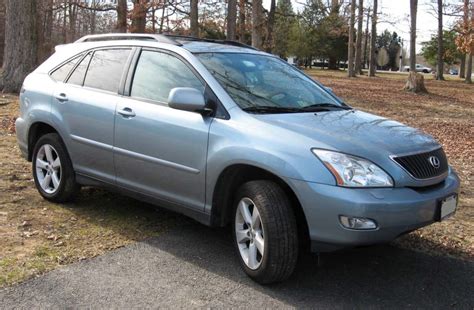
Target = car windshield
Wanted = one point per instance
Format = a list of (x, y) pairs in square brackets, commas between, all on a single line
[(266, 84)]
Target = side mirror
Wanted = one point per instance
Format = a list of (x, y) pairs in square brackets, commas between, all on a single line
[(187, 99)]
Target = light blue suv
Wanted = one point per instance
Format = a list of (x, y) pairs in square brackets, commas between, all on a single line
[(227, 134)]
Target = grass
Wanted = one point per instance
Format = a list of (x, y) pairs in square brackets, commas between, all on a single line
[(37, 236)]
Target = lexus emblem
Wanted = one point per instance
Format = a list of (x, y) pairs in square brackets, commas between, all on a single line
[(434, 161)]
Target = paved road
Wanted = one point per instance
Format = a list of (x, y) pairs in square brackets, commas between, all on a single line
[(195, 266)]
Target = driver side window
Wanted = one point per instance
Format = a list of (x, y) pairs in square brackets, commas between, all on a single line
[(157, 73)]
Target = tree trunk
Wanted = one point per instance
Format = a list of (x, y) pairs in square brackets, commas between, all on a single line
[(139, 16), (373, 37), (360, 25), (231, 19), (121, 16), (332, 61), (242, 21), (72, 21), (194, 15), (462, 67), (469, 56), (257, 23), (413, 12), (469, 69), (21, 43), (366, 42), (162, 20), (415, 82), (270, 26), (350, 44), (440, 52), (2, 30)]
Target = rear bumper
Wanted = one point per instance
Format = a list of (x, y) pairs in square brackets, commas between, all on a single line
[(396, 211)]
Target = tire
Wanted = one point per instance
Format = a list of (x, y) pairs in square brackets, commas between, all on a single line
[(61, 185), (425, 71), (277, 229)]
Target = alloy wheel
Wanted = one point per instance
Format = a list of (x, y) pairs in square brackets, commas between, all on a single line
[(48, 168), (249, 233)]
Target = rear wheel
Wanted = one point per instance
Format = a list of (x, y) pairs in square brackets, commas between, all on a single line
[(52, 169), (265, 232)]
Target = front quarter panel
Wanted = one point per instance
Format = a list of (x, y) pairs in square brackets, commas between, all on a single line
[(245, 140)]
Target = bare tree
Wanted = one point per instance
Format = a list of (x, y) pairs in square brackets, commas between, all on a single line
[(366, 41), (121, 16), (334, 12), (194, 15), (468, 78), (139, 16), (2, 30), (21, 43), (415, 82), (257, 23), (373, 37), (242, 21), (350, 44), (358, 52), (231, 19), (439, 60), (270, 26), (462, 67)]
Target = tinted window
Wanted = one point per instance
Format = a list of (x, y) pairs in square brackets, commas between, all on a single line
[(157, 73), (77, 77), (105, 69), (61, 73)]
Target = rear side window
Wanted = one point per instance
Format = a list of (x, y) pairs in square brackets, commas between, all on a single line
[(105, 69), (77, 77), (157, 73), (62, 72)]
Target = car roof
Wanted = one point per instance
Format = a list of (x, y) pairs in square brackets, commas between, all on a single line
[(176, 44), (192, 44)]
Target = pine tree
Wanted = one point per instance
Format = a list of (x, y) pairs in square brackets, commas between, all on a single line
[(284, 21)]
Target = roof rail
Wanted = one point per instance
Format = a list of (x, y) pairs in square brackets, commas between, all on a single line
[(128, 36), (226, 42)]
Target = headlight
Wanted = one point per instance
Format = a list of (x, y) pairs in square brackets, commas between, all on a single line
[(352, 171)]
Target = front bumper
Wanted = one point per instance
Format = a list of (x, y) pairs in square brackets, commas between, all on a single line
[(396, 211), (21, 136)]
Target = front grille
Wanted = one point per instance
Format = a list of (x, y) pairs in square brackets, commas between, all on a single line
[(420, 166)]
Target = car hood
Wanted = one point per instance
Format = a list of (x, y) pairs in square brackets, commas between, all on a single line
[(354, 132)]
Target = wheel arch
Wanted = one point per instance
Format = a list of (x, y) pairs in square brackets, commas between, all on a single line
[(232, 177), (36, 131)]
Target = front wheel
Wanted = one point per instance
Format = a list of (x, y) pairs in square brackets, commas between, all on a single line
[(52, 169), (265, 232)]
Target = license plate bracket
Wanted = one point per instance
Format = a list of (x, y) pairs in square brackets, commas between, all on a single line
[(447, 207)]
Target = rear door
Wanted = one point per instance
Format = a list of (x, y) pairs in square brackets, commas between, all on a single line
[(86, 104), (161, 151)]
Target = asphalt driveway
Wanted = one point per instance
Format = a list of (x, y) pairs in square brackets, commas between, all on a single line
[(195, 266)]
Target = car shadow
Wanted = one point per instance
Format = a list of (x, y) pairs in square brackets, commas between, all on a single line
[(369, 277)]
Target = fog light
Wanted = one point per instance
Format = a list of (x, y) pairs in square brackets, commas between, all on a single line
[(357, 222)]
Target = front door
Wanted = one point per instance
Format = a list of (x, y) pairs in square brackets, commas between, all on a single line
[(158, 150)]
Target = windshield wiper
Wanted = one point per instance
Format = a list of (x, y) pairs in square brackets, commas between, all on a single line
[(270, 109), (324, 107)]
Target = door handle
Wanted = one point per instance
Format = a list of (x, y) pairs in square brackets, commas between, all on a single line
[(126, 112), (62, 97)]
